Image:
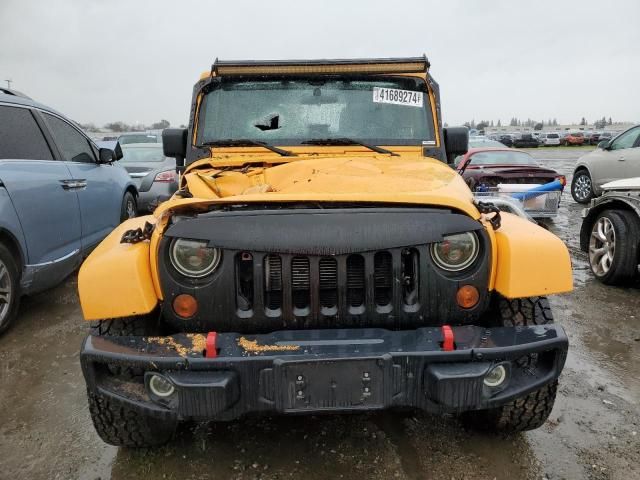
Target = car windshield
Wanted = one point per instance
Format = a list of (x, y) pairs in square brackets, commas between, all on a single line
[(483, 142), (291, 111), (502, 158), (142, 154), (138, 138), (578, 134), (552, 135)]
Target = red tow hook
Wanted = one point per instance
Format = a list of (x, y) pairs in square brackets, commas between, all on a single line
[(447, 339), (211, 351)]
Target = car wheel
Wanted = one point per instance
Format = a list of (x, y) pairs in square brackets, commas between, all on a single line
[(529, 411), (9, 288), (582, 187), (613, 247), (129, 208)]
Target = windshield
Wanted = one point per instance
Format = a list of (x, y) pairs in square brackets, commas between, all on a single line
[(142, 154), (380, 110), (502, 158), (138, 138), (473, 143)]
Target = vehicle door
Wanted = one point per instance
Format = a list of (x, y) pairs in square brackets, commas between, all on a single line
[(40, 190), (99, 192), (621, 159)]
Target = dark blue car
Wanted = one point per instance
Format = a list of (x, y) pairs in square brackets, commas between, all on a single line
[(60, 195)]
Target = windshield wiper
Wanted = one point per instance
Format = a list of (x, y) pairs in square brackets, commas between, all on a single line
[(246, 142), (348, 141)]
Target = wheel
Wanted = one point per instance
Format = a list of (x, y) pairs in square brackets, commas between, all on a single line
[(613, 246), (115, 423), (581, 187), (532, 410), (121, 426), (9, 288), (129, 207)]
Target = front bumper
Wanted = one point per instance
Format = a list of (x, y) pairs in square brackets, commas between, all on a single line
[(298, 371)]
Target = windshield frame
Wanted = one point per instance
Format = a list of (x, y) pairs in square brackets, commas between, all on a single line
[(429, 109)]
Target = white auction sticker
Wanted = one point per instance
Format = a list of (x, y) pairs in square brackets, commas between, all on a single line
[(397, 97)]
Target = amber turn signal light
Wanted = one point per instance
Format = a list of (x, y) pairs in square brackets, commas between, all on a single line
[(185, 305), (468, 296)]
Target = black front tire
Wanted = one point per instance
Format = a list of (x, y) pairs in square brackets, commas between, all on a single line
[(9, 288), (116, 423), (129, 208), (530, 411), (582, 187), (121, 426)]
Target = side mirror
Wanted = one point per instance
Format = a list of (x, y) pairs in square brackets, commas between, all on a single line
[(604, 144), (110, 153), (456, 142), (174, 144)]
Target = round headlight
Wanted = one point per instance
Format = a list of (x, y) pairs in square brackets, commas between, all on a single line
[(193, 258), (455, 252)]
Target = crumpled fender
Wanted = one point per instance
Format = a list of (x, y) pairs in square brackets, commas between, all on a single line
[(531, 261), (116, 280)]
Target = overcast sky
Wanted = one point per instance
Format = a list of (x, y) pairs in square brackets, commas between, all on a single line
[(136, 61)]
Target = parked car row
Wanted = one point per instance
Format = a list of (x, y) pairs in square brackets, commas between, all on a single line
[(536, 139), (61, 194)]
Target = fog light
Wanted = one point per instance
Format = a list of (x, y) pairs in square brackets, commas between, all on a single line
[(496, 376), (160, 386)]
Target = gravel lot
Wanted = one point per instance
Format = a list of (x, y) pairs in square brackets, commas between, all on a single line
[(593, 432)]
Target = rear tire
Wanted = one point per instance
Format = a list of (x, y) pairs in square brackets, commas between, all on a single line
[(613, 247), (532, 410), (582, 186), (121, 426), (9, 288)]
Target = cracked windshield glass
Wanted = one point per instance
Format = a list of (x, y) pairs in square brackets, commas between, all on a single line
[(386, 111)]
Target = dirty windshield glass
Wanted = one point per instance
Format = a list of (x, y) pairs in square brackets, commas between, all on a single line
[(502, 158), (381, 111)]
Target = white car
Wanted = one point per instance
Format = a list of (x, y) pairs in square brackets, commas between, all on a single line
[(614, 159), (551, 139)]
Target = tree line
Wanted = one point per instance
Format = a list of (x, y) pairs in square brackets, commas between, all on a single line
[(120, 126)]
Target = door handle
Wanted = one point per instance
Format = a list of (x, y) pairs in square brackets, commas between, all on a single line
[(621, 159), (72, 184)]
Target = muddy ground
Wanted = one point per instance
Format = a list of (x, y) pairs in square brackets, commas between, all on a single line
[(593, 431)]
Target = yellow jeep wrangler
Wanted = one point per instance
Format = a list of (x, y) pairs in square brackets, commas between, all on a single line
[(320, 255)]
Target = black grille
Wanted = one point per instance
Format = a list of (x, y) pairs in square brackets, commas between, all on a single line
[(324, 286)]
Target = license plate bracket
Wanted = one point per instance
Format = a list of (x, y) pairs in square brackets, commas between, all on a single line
[(326, 385)]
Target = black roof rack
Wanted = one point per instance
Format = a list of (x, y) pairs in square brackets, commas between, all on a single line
[(360, 65)]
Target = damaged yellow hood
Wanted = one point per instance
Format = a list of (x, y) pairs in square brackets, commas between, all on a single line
[(406, 179)]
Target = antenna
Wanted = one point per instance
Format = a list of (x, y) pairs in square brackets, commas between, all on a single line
[(9, 81)]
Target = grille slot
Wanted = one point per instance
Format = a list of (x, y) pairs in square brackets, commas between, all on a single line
[(410, 267), (328, 283), (300, 282), (273, 282), (382, 278), (355, 281), (244, 281)]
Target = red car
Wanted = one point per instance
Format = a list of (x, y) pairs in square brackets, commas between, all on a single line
[(575, 138), (487, 167)]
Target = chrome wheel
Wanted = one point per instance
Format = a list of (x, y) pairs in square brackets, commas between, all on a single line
[(602, 246), (582, 187), (6, 293)]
